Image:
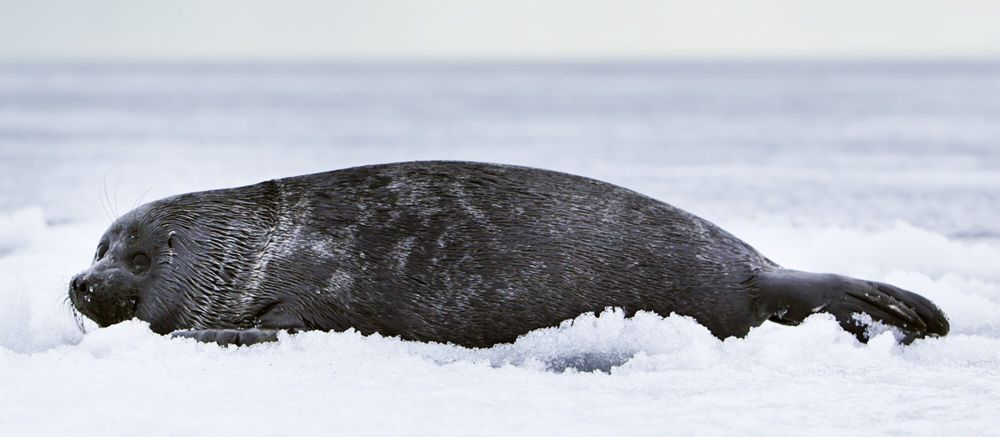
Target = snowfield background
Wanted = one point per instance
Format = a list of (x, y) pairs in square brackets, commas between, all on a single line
[(884, 171)]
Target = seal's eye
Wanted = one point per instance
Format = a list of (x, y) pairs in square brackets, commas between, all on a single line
[(139, 262), (102, 249)]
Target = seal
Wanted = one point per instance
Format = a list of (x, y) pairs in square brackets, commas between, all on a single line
[(468, 253)]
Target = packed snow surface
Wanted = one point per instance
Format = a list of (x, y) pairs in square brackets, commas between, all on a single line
[(884, 171)]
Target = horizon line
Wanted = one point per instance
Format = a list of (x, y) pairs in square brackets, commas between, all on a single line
[(496, 60)]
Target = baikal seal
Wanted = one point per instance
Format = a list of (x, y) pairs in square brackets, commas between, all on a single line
[(467, 253)]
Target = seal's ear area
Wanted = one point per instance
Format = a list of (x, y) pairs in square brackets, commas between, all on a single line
[(789, 296), (170, 240), (226, 337)]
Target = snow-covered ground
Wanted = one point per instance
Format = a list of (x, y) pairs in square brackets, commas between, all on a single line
[(884, 171)]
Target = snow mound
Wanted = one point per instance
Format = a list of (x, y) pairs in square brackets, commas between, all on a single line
[(649, 374)]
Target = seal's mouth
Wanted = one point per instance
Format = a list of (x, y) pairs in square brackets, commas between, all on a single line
[(105, 307)]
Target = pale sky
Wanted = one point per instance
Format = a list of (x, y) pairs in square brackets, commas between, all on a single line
[(495, 29)]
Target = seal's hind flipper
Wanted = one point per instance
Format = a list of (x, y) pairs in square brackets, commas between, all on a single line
[(225, 337), (789, 296)]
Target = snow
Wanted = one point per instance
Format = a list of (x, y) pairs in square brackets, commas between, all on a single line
[(881, 171)]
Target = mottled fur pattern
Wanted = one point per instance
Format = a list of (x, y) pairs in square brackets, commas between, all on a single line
[(469, 253)]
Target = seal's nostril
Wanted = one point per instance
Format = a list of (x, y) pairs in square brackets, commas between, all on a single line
[(78, 284)]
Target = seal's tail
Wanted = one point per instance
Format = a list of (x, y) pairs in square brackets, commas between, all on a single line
[(789, 296)]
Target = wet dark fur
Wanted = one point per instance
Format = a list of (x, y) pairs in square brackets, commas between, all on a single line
[(468, 253)]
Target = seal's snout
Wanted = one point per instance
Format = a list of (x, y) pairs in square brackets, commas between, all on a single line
[(84, 286), (81, 290), (78, 286), (102, 297)]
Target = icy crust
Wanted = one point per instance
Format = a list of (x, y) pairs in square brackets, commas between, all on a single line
[(596, 374), (779, 379)]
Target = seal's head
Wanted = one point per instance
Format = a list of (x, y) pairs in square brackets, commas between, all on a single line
[(184, 262), (125, 264)]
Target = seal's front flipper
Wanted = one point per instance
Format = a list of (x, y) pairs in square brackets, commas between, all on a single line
[(789, 296), (225, 337)]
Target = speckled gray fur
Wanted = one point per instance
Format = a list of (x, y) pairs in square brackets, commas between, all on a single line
[(469, 253)]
